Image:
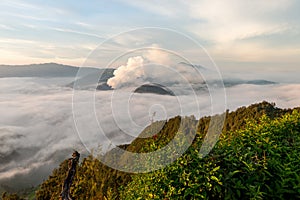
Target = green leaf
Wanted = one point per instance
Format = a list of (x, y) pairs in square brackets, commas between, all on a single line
[(216, 169), (214, 178)]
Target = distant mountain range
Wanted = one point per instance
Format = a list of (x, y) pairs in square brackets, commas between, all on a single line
[(88, 76), (38, 70), (233, 82)]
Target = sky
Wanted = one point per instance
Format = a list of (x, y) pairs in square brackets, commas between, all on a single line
[(239, 35)]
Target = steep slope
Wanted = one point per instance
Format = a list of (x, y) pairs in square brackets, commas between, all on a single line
[(94, 180)]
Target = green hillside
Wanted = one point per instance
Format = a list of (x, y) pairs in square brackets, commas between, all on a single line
[(256, 157), (260, 161)]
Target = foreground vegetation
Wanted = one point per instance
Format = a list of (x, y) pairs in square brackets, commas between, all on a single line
[(258, 162), (256, 157)]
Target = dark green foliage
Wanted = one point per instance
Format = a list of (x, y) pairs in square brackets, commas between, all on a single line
[(93, 179), (6, 196), (258, 162), (26, 193), (262, 160), (51, 188), (256, 157)]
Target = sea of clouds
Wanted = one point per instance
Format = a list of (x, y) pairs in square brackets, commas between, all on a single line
[(42, 120)]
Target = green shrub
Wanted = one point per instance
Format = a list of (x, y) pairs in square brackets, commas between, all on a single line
[(258, 162)]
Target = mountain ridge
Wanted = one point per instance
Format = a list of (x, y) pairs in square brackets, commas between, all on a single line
[(41, 70), (108, 182)]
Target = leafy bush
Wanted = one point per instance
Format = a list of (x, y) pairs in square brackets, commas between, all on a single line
[(258, 162)]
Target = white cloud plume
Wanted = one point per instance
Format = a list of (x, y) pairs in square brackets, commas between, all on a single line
[(129, 73), (153, 66)]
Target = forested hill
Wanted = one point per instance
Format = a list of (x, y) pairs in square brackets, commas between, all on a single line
[(255, 157)]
